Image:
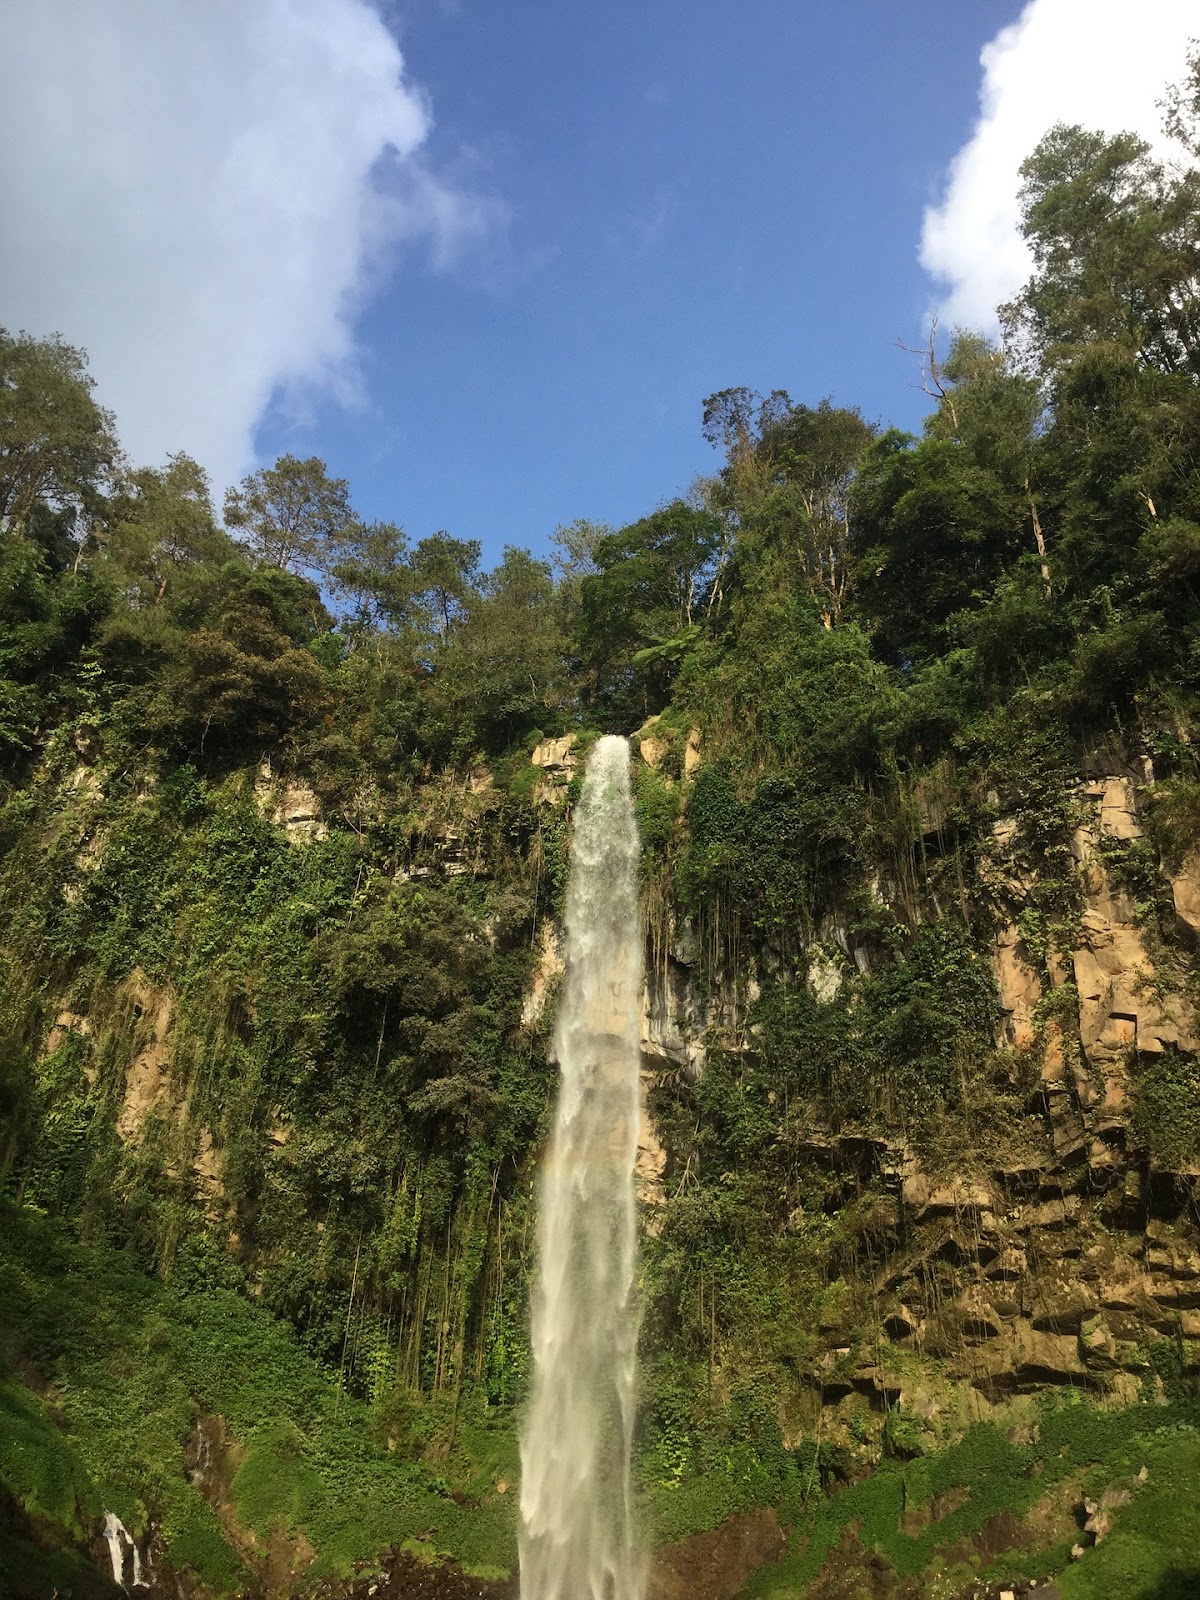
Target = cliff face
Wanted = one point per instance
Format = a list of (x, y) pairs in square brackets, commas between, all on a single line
[(312, 1069), (1055, 1249)]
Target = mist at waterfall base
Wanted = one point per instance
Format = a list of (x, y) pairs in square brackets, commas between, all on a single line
[(576, 1538)]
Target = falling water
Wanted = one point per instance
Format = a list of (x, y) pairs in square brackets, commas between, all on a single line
[(576, 1540)]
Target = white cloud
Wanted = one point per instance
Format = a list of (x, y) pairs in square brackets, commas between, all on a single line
[(196, 191), (1100, 63)]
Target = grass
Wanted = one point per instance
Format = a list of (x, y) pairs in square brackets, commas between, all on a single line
[(132, 1362), (1157, 1536)]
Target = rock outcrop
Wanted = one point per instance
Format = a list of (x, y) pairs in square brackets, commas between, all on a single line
[(290, 803)]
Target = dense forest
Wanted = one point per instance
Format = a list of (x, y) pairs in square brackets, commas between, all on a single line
[(285, 812)]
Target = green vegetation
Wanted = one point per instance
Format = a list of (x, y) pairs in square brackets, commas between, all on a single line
[(278, 867), (133, 1364), (1098, 1449)]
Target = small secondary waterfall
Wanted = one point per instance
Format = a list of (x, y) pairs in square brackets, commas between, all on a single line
[(576, 1540), (118, 1537)]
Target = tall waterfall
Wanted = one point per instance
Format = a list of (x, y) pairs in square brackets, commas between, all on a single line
[(576, 1540)]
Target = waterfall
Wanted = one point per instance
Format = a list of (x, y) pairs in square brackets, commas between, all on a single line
[(117, 1537), (576, 1538)]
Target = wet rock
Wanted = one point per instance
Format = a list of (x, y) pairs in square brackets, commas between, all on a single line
[(716, 1565), (550, 967)]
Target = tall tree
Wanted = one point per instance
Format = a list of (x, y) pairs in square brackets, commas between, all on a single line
[(373, 574), (161, 521), (294, 515), (444, 573), (996, 412), (811, 455), (57, 446), (1116, 247), (644, 607)]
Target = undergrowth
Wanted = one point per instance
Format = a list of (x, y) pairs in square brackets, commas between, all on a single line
[(132, 1362)]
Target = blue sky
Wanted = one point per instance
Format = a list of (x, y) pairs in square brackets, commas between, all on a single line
[(487, 257), (698, 195)]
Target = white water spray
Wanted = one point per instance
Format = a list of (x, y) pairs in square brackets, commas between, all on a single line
[(576, 1540)]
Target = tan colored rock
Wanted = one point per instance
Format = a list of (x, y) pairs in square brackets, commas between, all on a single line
[(291, 804), (1058, 967), (550, 967), (1052, 1213), (1061, 1301), (651, 743), (1019, 986), (555, 755), (902, 1323), (147, 1076), (1185, 890), (1118, 1009), (1097, 1344), (1004, 832), (978, 1318), (651, 1160), (1118, 810), (85, 781), (824, 979), (1025, 1360), (952, 1199), (1173, 1294), (691, 753), (1010, 1266), (66, 1023), (1054, 1061), (209, 1171), (1121, 1287)]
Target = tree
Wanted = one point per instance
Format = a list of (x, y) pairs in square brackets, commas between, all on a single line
[(575, 550), (57, 446), (643, 608), (736, 419), (162, 521), (294, 514), (1182, 106), (504, 666), (811, 455), (996, 412), (443, 574), (373, 573), (935, 532), (1116, 247)]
